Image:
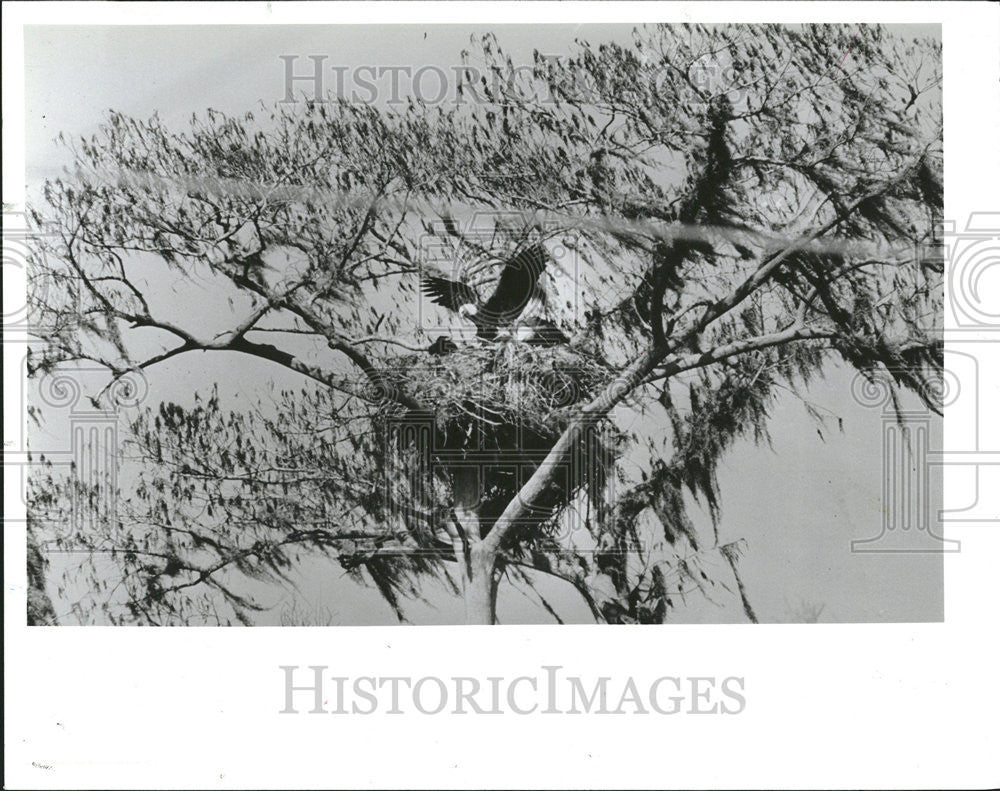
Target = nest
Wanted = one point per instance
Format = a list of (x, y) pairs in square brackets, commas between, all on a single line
[(539, 389), (496, 410)]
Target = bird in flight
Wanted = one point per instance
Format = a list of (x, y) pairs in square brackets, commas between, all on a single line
[(517, 284)]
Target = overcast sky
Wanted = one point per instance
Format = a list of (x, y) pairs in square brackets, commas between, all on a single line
[(798, 506)]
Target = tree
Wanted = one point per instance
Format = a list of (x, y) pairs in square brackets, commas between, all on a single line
[(731, 207)]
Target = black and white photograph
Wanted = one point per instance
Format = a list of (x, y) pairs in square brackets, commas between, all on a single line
[(515, 337), (643, 337)]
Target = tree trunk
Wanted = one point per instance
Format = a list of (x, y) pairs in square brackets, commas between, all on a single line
[(479, 591), (477, 564)]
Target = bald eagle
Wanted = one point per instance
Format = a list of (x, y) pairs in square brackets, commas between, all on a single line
[(517, 284)]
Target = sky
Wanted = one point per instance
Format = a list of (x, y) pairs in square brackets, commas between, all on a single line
[(798, 506)]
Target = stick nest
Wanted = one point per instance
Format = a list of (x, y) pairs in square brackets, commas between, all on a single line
[(504, 385)]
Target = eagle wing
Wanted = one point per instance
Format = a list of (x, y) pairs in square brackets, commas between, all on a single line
[(451, 294), (517, 284)]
